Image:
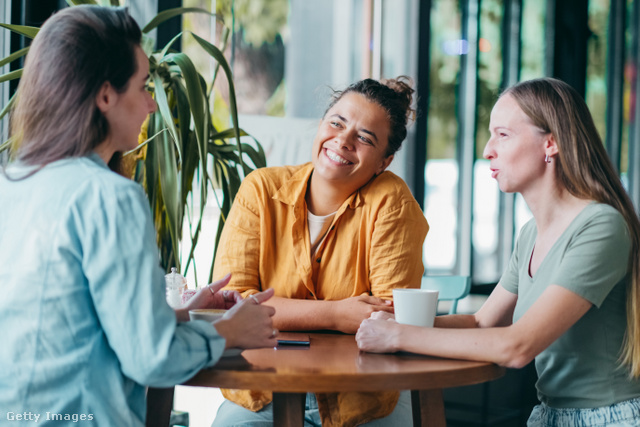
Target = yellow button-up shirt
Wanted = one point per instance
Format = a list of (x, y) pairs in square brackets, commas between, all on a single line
[(374, 244)]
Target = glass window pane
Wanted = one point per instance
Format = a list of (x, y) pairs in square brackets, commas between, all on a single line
[(485, 209), (441, 173), (628, 106), (532, 39), (596, 94)]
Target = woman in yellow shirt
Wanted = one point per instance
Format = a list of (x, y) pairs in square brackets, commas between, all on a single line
[(333, 238)]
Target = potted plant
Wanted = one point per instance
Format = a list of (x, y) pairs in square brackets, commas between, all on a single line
[(185, 155)]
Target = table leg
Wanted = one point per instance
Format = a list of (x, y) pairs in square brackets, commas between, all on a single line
[(159, 405), (288, 409), (428, 408)]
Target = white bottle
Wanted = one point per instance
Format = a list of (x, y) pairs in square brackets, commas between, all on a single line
[(175, 283)]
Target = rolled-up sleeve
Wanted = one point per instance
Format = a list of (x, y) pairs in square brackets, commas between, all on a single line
[(396, 249), (121, 264), (239, 246)]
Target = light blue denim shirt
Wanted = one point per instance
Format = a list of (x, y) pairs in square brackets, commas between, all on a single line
[(84, 323)]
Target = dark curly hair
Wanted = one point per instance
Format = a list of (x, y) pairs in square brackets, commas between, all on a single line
[(394, 96)]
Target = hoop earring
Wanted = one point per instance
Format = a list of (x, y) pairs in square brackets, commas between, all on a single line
[(547, 158)]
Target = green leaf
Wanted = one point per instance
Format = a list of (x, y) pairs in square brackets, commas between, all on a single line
[(163, 106), (225, 38), (22, 29), (15, 55), (171, 42), (79, 2), (255, 155), (221, 148), (151, 170), (168, 174), (218, 56), (184, 114), (6, 144), (147, 44), (142, 144), (12, 75), (170, 13), (9, 105), (196, 97), (227, 133), (261, 154), (234, 183)]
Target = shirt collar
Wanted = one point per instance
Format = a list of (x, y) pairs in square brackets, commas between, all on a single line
[(294, 190), (93, 156)]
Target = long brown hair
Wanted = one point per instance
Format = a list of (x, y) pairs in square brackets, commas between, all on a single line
[(75, 52), (584, 168)]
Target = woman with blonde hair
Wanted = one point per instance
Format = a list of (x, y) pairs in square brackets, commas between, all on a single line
[(569, 298)]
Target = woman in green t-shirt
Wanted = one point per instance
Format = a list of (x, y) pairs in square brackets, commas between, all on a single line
[(570, 297)]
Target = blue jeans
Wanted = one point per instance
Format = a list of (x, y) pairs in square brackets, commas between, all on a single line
[(622, 414), (232, 415)]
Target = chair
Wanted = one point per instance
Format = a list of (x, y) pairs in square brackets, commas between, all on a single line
[(450, 288)]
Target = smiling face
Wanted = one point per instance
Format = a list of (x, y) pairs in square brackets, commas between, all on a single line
[(516, 148), (351, 143), (125, 112)]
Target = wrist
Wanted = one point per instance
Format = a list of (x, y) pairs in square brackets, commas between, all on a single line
[(398, 337), (182, 314), (222, 330), (332, 316)]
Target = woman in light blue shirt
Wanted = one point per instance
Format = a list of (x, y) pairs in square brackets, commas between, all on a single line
[(570, 296), (85, 325)]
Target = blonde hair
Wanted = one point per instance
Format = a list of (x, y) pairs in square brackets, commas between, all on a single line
[(584, 168)]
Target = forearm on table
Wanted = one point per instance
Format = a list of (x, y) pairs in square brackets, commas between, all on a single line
[(300, 315), (496, 345), (457, 321)]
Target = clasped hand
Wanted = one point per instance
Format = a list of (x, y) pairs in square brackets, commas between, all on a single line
[(378, 334), (247, 324), (352, 311)]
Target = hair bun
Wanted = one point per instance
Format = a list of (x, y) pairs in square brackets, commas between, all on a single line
[(403, 86)]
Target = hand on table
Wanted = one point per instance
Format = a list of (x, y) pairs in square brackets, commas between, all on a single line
[(209, 297), (382, 315), (248, 324), (352, 311), (377, 335)]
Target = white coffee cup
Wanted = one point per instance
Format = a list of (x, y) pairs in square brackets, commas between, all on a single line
[(415, 306), (208, 314)]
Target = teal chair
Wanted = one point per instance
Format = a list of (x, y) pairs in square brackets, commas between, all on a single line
[(450, 288)]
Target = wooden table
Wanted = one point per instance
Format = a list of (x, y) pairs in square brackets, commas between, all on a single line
[(333, 363)]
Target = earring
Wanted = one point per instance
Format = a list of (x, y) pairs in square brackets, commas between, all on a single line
[(547, 159)]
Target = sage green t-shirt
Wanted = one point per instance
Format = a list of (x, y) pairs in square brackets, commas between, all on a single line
[(580, 369)]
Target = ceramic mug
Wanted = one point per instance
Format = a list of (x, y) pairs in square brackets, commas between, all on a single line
[(415, 306)]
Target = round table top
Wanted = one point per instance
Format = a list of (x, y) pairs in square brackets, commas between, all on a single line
[(334, 363)]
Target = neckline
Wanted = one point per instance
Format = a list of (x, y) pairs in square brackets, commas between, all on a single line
[(553, 247), (319, 218)]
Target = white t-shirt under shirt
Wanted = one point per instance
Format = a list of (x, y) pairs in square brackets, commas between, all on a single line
[(318, 228)]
